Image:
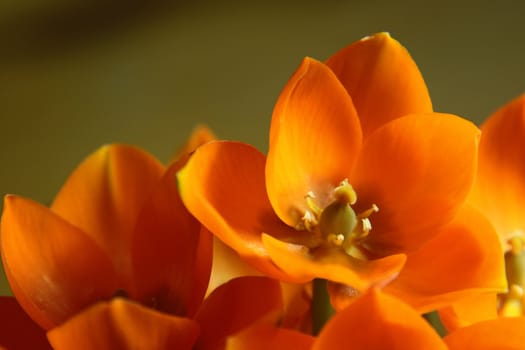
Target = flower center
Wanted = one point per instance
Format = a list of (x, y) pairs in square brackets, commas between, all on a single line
[(337, 224), (513, 302)]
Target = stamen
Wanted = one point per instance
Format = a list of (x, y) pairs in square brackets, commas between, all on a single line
[(513, 303), (516, 244), (368, 212), (336, 240), (310, 218), (515, 262), (367, 225), (310, 196), (309, 221)]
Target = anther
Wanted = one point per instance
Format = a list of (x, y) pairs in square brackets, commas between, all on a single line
[(309, 221), (336, 240), (366, 224)]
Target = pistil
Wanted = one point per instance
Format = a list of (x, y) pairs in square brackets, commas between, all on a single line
[(337, 224)]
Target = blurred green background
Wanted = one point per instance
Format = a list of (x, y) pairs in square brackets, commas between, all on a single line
[(75, 74)]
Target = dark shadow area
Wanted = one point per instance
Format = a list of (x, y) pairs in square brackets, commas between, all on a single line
[(51, 31)]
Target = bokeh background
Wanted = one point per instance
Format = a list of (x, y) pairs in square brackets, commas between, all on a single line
[(76, 74)]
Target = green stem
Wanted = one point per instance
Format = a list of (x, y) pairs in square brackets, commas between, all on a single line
[(322, 309), (435, 322)]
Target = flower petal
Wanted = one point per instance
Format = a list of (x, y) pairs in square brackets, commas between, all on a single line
[(378, 321), (335, 265), (199, 136), (18, 330), (227, 265), (315, 138), (412, 168), (502, 333), (382, 79), (470, 310), (54, 269), (121, 324), (263, 337), (472, 251), (297, 301), (235, 306), (104, 195), (499, 190), (222, 185), (171, 255)]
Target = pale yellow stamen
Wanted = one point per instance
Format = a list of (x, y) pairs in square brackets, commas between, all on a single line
[(515, 262), (368, 212), (314, 208), (309, 221), (335, 240), (513, 303), (516, 244)]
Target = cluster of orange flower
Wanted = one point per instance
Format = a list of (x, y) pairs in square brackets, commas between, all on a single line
[(369, 210)]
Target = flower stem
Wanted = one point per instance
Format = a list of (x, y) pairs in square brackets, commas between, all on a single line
[(322, 309), (435, 322)]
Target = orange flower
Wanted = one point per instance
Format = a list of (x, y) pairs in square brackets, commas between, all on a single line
[(226, 263), (116, 228), (117, 247), (379, 321), (122, 324), (350, 183), (499, 189), (373, 321), (468, 246), (499, 193), (200, 135)]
